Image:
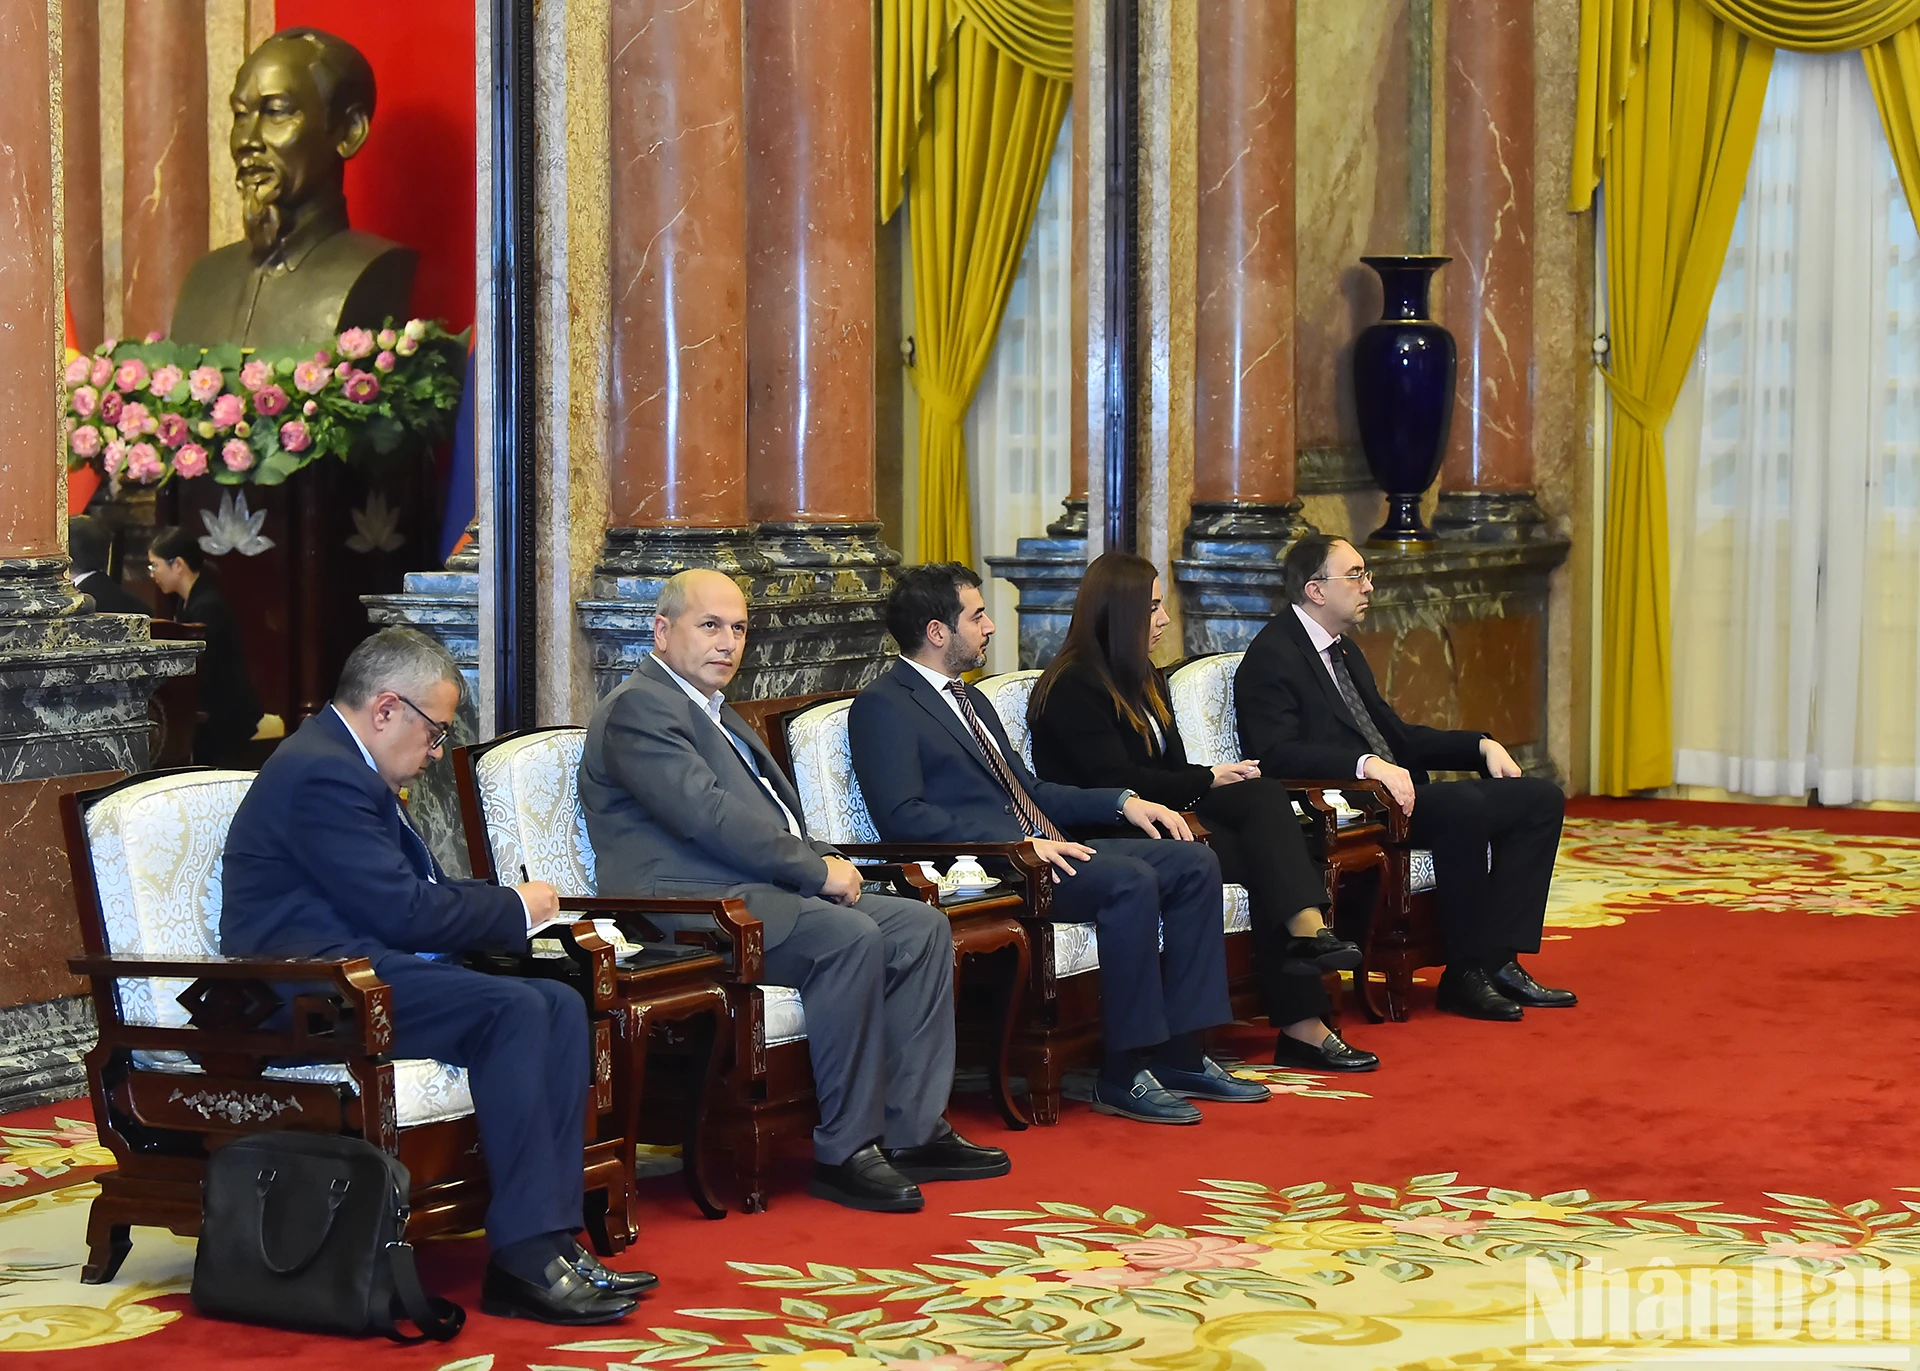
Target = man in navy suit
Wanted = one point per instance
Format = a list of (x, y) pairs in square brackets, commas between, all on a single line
[(935, 765), (322, 862)]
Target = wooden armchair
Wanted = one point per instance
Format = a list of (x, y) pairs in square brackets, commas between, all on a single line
[(1357, 830), (192, 1050)]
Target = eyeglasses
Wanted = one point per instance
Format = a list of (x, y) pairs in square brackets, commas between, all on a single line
[(440, 731), (1359, 575)]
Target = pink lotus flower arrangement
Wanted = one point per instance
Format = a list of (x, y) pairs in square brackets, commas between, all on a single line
[(150, 411)]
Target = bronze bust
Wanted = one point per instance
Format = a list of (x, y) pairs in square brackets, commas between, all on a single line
[(302, 105)]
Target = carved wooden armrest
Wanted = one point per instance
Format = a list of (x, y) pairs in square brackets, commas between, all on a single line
[(1371, 798), (1021, 858), (588, 956), (736, 936), (907, 879), (232, 996), (1201, 833)]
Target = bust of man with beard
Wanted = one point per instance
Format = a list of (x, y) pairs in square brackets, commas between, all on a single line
[(302, 105)]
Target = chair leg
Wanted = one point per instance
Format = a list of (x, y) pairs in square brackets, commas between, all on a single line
[(1043, 1090), (107, 1245), (599, 1231), (755, 1161), (1007, 1007), (1399, 988), (693, 1135)]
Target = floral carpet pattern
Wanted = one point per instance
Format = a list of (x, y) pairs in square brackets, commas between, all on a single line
[(1609, 869)]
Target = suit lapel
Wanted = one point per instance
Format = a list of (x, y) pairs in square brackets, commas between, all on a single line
[(935, 704), (1317, 669), (769, 768)]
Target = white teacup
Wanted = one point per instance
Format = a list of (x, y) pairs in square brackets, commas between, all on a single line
[(966, 870)]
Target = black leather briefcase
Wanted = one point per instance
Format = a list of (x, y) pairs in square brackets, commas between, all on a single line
[(307, 1231)]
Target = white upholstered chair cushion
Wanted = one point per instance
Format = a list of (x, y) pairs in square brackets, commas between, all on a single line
[(529, 791), (830, 795), (1008, 694), (157, 848)]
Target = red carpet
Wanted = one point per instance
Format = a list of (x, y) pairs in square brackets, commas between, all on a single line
[(1716, 1055)]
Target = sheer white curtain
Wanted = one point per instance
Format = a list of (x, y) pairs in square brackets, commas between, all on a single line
[(1794, 468), (1018, 429)]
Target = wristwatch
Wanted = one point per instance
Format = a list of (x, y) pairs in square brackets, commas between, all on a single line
[(1120, 810)]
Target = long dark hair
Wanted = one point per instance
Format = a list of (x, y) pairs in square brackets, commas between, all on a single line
[(176, 544), (1112, 623)]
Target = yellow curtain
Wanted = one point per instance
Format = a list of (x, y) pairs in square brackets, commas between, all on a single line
[(1818, 25), (972, 94), (1893, 66)]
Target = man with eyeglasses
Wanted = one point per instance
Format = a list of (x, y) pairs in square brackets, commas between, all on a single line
[(1308, 709), (322, 861)]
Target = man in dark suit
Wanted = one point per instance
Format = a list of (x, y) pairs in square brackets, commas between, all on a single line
[(322, 862), (88, 545), (683, 799), (935, 765), (1308, 709)]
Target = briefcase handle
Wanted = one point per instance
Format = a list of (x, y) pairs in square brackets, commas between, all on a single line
[(263, 1184)]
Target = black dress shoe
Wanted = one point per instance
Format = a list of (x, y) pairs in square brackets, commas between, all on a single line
[(1332, 1055), (1472, 993), (866, 1180), (1513, 981), (567, 1297), (1211, 1082), (604, 1276), (948, 1157), (1144, 1100), (1325, 951)]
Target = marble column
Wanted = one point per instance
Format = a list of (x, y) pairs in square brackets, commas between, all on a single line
[(164, 147), (1245, 512), (80, 168), (74, 685), (1486, 482)]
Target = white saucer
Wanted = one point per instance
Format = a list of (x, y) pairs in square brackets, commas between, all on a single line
[(967, 890)]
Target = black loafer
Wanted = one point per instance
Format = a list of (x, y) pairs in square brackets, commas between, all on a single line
[(1472, 994), (1144, 1101), (1325, 951), (948, 1157), (1333, 1054), (604, 1276), (1211, 1082), (1513, 981), (866, 1180), (567, 1297)]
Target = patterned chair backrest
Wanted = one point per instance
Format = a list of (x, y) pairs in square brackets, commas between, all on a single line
[(529, 791), (156, 848), (830, 798), (1008, 694), (1202, 702)]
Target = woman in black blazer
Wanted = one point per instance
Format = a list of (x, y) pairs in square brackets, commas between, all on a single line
[(1100, 718), (227, 699)]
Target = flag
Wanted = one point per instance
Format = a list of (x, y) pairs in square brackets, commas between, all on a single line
[(81, 484), (460, 473)]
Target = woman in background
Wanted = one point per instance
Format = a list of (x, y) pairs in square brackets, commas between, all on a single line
[(1100, 718), (227, 699)]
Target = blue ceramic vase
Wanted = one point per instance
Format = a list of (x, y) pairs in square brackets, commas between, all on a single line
[(1403, 373)]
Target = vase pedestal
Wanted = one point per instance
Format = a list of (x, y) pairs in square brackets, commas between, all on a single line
[(1486, 516)]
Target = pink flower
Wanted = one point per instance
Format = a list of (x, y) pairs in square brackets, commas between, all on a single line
[(110, 406), (310, 378), (165, 379), (269, 401), (343, 371), (78, 370), (1189, 1254), (85, 442), (106, 348), (228, 410), (131, 375), (143, 462), (407, 346), (310, 408), (205, 383), (155, 336), (116, 456), (102, 371), (190, 460), (134, 419), (255, 374), (84, 401), (236, 454), (294, 436), (384, 362), (173, 430), (363, 387), (385, 338), (356, 343), (1820, 1251), (1113, 1277), (1435, 1226), (416, 329), (951, 1361)]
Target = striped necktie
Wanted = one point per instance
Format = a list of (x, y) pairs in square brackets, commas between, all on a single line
[(1032, 821)]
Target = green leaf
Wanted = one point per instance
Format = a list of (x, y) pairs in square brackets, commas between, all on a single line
[(1863, 1207), (1300, 1192), (685, 1335), (1090, 1331), (844, 1275), (726, 1314), (804, 1309), (904, 1328), (1014, 1249), (858, 1319), (1058, 1226), (483, 1362), (1288, 1298), (947, 1303), (1068, 1211), (1247, 1187), (1375, 1192), (1437, 1178), (1003, 1214), (1405, 1271), (1801, 1201), (835, 1335), (767, 1342)]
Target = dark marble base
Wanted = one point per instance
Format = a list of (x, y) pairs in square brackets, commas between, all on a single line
[(1491, 517), (446, 606), (1047, 572), (815, 592), (42, 1052)]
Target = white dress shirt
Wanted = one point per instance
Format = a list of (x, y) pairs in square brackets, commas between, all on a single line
[(711, 705), (944, 684), (1323, 642)]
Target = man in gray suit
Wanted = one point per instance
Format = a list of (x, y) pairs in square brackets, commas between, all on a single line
[(683, 799)]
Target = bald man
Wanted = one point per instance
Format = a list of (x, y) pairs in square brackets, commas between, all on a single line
[(683, 799)]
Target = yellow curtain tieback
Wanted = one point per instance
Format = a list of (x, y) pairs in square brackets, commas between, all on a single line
[(942, 404), (1632, 405)]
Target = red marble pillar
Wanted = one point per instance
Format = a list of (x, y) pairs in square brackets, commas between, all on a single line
[(1489, 284), (1243, 403), (29, 296), (164, 186), (810, 261), (679, 290), (80, 167)]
